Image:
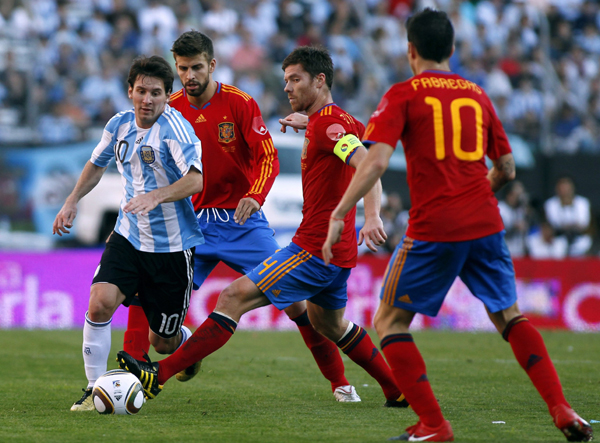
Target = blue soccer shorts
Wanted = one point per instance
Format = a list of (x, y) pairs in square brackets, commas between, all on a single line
[(241, 247), (293, 274), (420, 273)]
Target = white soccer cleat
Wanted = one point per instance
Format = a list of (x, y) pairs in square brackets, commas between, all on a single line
[(346, 394)]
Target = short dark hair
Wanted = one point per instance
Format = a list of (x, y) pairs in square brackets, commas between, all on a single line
[(432, 34), (314, 59), (154, 66), (192, 43)]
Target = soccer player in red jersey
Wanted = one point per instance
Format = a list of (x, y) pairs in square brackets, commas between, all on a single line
[(447, 126), (332, 150), (240, 166)]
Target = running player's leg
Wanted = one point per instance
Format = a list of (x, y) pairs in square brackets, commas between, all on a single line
[(324, 351), (234, 301), (490, 276), (243, 248), (354, 341), (115, 280), (417, 279)]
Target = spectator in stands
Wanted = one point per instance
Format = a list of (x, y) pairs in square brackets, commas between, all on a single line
[(569, 214), (544, 244), (516, 214)]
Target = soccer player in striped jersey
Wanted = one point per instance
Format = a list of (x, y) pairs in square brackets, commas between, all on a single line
[(447, 126), (240, 165), (332, 150), (150, 252)]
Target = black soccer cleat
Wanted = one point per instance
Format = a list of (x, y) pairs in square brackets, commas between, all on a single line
[(145, 371), (400, 402), (572, 425)]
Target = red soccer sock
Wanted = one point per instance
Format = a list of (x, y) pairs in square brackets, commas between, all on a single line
[(324, 351), (357, 345), (210, 336), (136, 342), (410, 373), (530, 351)]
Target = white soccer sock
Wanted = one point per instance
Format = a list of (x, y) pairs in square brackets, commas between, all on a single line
[(96, 348), (185, 334)]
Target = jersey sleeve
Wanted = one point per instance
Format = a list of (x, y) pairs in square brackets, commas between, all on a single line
[(265, 162), (184, 145), (498, 144), (338, 135), (104, 150), (387, 122)]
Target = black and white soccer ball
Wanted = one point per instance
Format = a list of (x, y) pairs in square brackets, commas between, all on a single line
[(118, 392)]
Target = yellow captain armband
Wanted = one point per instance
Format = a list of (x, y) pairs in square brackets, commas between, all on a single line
[(346, 146)]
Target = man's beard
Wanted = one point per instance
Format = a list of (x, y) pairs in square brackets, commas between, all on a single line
[(199, 91)]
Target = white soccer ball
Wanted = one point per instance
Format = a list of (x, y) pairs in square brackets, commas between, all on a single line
[(118, 392)]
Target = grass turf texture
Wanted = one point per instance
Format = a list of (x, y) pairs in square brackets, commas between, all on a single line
[(265, 387)]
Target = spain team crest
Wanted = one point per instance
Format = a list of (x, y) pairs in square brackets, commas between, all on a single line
[(147, 154), (226, 132)]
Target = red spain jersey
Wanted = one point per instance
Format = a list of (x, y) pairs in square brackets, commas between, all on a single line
[(325, 177), (447, 125), (238, 156)]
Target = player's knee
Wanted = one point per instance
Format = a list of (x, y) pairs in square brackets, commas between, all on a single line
[(100, 308)]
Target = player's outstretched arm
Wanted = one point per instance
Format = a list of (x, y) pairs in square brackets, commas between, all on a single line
[(191, 183), (502, 172), (369, 170), (89, 178), (295, 121)]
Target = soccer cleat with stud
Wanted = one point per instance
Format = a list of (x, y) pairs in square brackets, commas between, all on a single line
[(400, 402), (145, 371), (572, 425), (85, 403), (346, 394), (189, 372), (420, 432)]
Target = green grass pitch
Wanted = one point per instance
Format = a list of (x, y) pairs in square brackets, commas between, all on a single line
[(265, 387)]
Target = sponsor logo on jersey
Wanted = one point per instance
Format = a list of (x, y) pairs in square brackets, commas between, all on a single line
[(226, 132), (200, 119), (139, 140), (276, 292), (147, 154)]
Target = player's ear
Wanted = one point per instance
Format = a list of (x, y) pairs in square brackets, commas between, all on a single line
[(452, 52), (130, 92), (212, 65)]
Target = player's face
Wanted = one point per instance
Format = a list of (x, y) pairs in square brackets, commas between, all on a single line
[(149, 100), (300, 87), (195, 73)]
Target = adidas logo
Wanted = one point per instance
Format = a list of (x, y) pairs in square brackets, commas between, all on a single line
[(139, 140), (276, 292), (200, 119), (405, 299)]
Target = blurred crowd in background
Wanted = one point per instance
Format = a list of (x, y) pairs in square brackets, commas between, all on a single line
[(64, 63)]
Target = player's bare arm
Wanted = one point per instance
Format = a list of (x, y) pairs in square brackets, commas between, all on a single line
[(89, 178), (367, 174), (245, 208), (502, 172), (372, 232), (295, 121), (191, 183)]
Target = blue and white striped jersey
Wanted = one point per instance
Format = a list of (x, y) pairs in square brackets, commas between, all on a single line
[(149, 159)]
